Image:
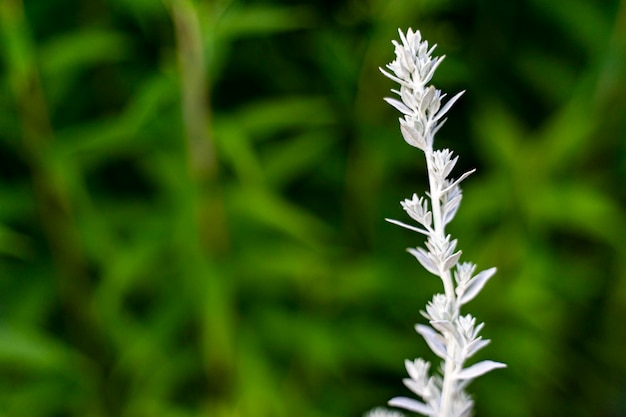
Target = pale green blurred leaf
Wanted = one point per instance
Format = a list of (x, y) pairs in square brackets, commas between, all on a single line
[(264, 118), (585, 22), (240, 21), (81, 50), (101, 139), (14, 243), (276, 213), (32, 350), (296, 156), (580, 208), (501, 135)]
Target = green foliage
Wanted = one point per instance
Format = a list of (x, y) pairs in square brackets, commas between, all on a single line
[(192, 197)]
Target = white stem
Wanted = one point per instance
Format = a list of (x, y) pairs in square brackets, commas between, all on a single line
[(438, 224), (448, 388)]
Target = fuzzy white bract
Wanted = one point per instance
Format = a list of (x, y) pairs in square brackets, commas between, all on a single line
[(382, 412), (451, 336)]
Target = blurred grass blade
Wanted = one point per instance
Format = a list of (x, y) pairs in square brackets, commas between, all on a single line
[(239, 21)]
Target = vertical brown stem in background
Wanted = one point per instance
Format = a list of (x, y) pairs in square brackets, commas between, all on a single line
[(196, 113), (214, 291), (609, 90), (194, 90), (53, 202)]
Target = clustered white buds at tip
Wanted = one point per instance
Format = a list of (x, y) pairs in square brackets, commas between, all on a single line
[(420, 104)]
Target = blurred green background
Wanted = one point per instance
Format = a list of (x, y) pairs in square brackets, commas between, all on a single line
[(192, 197)]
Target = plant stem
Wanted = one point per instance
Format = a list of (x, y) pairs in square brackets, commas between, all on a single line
[(194, 88), (205, 204), (438, 225), (447, 389)]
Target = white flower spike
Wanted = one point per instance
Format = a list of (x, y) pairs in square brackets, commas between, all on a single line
[(452, 337)]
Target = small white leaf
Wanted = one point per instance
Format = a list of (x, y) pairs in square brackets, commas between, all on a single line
[(434, 105), (447, 106), (424, 259), (437, 126), (476, 284), (428, 219), (408, 98), (451, 260), (467, 411), (449, 166), (393, 77), (451, 208), (412, 370), (411, 405), (453, 202), (412, 136), (458, 181), (433, 339), (435, 64), (479, 369), (476, 345), (414, 386), (427, 98), (443, 326), (417, 369), (399, 105)]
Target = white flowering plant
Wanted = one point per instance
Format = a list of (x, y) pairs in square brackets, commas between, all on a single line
[(451, 336)]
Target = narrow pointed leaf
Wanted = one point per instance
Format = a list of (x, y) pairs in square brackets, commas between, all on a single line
[(432, 70), (451, 208), (399, 105), (476, 284), (424, 259), (407, 226), (433, 339), (447, 106), (412, 136), (451, 260), (479, 369), (394, 78), (443, 326), (427, 98), (449, 166), (412, 370), (437, 126), (413, 386), (411, 405), (476, 345), (458, 181)]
